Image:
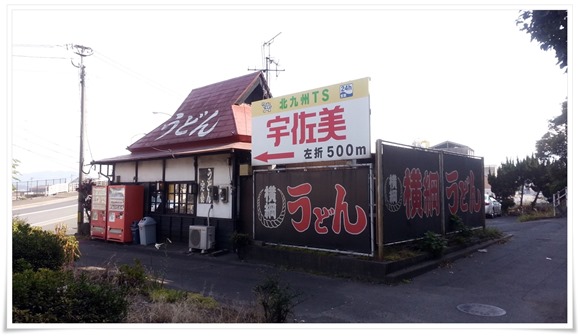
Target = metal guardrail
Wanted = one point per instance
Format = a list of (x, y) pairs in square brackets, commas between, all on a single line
[(558, 196), (38, 187)]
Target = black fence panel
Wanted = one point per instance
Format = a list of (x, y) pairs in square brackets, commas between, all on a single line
[(464, 190), (411, 193), (327, 208)]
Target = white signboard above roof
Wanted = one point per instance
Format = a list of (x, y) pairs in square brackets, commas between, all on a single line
[(323, 124)]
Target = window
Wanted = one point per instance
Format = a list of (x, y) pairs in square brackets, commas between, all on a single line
[(180, 198), (156, 197)]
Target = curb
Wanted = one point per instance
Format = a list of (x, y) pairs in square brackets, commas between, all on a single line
[(390, 272), (421, 268)]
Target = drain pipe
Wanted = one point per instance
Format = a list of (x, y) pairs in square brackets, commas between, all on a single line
[(208, 211)]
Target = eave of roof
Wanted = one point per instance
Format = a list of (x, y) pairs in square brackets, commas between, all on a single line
[(182, 152)]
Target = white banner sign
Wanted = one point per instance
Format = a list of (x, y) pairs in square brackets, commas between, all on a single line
[(325, 124)]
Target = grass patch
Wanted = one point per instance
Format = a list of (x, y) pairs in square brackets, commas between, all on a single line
[(488, 233), (396, 254), (190, 309), (535, 216)]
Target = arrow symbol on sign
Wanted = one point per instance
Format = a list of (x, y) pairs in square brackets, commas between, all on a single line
[(264, 157)]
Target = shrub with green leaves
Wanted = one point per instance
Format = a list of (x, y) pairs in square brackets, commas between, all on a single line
[(434, 244), (34, 248), (49, 296), (133, 278)]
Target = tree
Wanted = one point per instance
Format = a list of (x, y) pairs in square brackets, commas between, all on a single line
[(552, 150), (505, 183), (536, 177), (550, 29)]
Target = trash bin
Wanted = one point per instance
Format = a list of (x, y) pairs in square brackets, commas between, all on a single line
[(135, 232), (147, 232)]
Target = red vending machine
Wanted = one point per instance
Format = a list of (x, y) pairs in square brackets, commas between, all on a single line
[(99, 212), (125, 207)]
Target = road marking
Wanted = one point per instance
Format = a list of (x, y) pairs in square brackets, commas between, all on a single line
[(53, 209), (35, 204), (55, 220)]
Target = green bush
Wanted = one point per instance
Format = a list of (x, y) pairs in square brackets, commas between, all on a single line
[(434, 244), (34, 248), (49, 296), (133, 278)]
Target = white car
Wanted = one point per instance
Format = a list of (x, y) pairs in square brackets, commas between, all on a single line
[(492, 207)]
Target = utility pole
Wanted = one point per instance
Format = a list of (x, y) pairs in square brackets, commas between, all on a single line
[(82, 51)]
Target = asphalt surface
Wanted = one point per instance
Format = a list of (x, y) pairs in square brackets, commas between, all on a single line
[(523, 281)]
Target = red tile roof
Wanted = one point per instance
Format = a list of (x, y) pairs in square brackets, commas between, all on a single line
[(214, 114), (213, 118)]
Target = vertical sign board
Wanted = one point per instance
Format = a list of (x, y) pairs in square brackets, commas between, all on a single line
[(463, 179), (411, 193), (323, 209), (324, 124)]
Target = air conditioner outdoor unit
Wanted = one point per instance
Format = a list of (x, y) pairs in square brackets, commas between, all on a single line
[(201, 237)]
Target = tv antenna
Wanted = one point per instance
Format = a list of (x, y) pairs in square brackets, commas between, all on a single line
[(268, 60)]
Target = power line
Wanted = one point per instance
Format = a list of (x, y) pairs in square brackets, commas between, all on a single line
[(39, 146), (105, 59), (47, 147), (43, 154), (50, 57), (39, 45)]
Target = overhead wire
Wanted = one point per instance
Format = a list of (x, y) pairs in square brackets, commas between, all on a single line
[(108, 60), (29, 56), (42, 154), (105, 60), (68, 155)]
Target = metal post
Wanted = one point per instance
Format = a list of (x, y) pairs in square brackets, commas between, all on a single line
[(379, 198)]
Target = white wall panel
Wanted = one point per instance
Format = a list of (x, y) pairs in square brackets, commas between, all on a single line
[(180, 170), (126, 172), (150, 171)]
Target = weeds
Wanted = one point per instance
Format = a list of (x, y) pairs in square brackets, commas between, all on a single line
[(488, 233), (276, 299), (399, 253), (531, 216)]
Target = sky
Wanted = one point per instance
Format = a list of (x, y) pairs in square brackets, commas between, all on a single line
[(462, 73)]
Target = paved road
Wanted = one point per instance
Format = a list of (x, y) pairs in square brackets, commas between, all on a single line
[(521, 281), (48, 212)]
